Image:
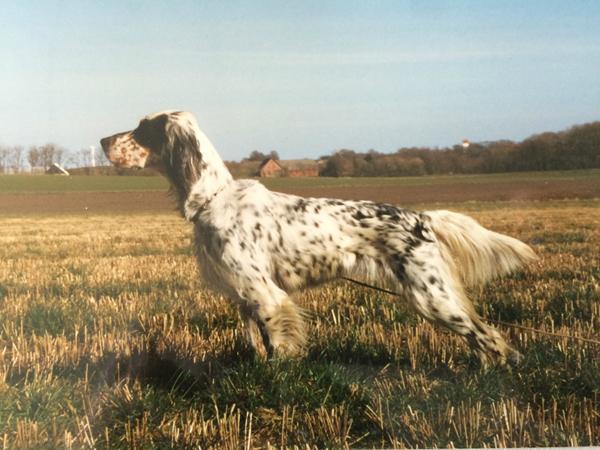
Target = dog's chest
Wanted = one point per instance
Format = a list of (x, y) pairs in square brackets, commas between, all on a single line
[(208, 249)]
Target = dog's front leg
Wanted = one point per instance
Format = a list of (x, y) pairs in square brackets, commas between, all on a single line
[(271, 318), (256, 330)]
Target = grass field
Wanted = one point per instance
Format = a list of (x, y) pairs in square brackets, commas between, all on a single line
[(108, 340), (44, 184)]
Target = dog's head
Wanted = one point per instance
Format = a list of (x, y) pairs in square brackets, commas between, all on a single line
[(158, 142), (172, 143), (141, 147)]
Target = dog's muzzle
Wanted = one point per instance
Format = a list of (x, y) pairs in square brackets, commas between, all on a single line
[(124, 151)]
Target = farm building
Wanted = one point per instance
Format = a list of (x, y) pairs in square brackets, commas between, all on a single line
[(271, 168), (289, 168), (56, 169)]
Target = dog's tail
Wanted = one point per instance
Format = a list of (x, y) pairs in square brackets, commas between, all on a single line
[(476, 254)]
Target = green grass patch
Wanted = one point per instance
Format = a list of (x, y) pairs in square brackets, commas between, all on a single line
[(81, 183)]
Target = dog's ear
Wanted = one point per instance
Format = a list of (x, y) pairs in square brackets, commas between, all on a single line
[(182, 156), (151, 133)]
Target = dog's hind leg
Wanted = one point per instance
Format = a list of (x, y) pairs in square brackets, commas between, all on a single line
[(437, 295)]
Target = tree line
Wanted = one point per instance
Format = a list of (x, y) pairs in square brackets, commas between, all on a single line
[(575, 148), (15, 159)]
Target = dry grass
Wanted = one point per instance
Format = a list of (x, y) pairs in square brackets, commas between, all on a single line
[(107, 340)]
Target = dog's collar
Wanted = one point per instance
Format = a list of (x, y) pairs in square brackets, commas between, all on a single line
[(199, 208)]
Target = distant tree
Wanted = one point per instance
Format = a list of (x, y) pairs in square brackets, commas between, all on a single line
[(255, 155), (71, 159), (33, 157), (16, 158), (340, 164), (583, 145), (4, 158), (50, 154), (101, 159)]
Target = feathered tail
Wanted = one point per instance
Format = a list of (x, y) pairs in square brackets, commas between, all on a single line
[(476, 254)]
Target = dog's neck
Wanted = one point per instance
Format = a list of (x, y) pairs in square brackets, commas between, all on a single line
[(213, 178)]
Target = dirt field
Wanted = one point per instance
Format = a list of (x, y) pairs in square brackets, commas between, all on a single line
[(52, 198)]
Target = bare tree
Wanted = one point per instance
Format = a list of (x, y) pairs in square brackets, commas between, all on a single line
[(33, 157), (4, 158), (16, 160), (101, 159)]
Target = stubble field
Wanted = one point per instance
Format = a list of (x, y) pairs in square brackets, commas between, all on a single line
[(108, 340)]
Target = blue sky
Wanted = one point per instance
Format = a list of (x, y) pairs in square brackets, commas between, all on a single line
[(303, 78)]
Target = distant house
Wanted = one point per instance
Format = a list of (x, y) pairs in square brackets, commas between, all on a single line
[(271, 168), (290, 168), (56, 169)]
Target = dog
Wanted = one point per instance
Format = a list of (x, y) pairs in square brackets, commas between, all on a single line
[(258, 247)]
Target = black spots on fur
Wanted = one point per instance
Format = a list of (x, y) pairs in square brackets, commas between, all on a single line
[(257, 227), (381, 243), (316, 224), (398, 263), (432, 280), (359, 215), (300, 205), (303, 233), (243, 245), (383, 210), (317, 209), (456, 319), (254, 267), (418, 232)]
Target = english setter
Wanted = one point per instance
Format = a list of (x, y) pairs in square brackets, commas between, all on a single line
[(258, 246)]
